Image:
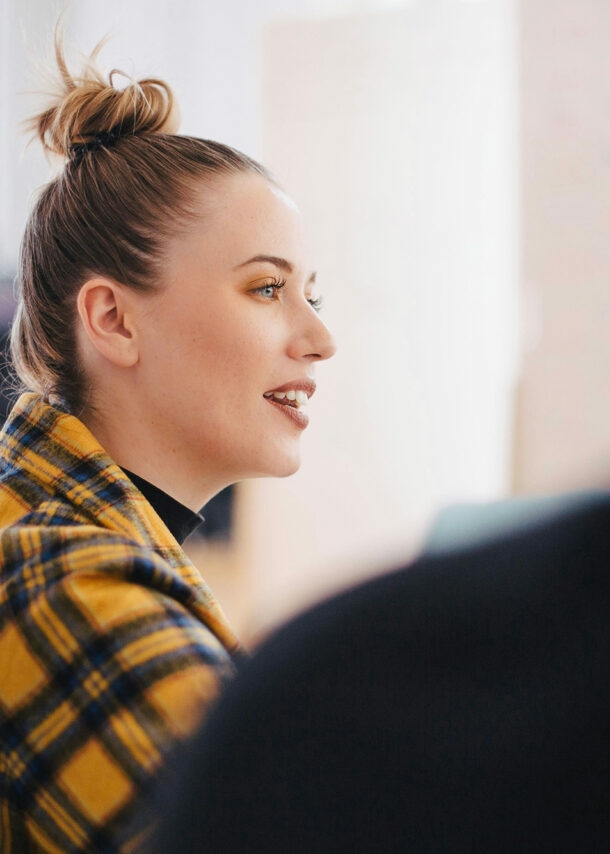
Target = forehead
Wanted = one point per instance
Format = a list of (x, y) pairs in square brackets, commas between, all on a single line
[(247, 206), (238, 217)]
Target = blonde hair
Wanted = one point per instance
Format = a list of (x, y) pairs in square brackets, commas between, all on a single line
[(127, 186)]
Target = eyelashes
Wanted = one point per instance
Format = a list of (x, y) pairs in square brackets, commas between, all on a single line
[(270, 292)]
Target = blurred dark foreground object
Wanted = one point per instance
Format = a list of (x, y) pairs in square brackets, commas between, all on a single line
[(461, 704)]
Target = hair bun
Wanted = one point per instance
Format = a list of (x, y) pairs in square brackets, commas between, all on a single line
[(88, 107)]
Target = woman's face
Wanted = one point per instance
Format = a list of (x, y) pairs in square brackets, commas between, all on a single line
[(233, 329)]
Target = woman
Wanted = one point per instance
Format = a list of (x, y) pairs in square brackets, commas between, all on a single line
[(167, 335)]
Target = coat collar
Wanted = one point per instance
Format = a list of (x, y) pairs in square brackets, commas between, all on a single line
[(47, 454)]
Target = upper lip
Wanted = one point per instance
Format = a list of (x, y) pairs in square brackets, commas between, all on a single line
[(306, 384)]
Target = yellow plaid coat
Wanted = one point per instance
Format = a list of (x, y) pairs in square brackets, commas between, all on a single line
[(111, 645)]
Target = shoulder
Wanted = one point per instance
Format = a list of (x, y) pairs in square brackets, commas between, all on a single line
[(62, 547), (472, 686), (504, 610), (98, 582), (545, 560), (102, 652)]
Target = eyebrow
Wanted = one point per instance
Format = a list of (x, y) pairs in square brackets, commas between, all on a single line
[(280, 263)]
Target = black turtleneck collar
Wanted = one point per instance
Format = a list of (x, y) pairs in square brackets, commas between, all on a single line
[(179, 519)]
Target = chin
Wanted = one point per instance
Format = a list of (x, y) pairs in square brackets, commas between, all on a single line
[(283, 465), (293, 469)]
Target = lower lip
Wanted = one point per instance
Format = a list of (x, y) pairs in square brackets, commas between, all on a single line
[(297, 416)]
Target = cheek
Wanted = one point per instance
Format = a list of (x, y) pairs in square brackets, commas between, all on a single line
[(236, 345), (189, 336), (218, 371), (221, 348)]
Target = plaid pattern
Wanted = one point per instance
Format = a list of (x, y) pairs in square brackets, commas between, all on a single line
[(111, 645)]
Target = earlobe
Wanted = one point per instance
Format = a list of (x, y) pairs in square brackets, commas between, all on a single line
[(103, 309)]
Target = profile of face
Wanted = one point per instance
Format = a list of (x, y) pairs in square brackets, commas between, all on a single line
[(227, 347)]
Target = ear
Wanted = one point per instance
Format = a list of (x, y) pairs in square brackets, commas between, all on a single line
[(104, 310)]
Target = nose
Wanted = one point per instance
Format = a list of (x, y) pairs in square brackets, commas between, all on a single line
[(314, 340)]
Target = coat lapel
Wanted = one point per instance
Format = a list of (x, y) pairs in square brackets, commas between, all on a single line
[(48, 455)]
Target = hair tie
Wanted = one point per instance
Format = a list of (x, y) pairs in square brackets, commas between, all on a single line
[(105, 139)]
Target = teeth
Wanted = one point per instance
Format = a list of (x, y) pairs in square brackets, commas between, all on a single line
[(298, 398)]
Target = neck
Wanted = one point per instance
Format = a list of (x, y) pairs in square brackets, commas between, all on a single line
[(135, 448)]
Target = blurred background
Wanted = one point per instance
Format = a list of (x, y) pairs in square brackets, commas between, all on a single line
[(452, 158)]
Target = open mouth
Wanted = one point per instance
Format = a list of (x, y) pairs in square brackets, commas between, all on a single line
[(296, 398)]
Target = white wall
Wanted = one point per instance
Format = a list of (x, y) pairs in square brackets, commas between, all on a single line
[(24, 29), (397, 132), (563, 434)]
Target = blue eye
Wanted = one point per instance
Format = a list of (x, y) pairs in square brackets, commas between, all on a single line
[(270, 290)]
